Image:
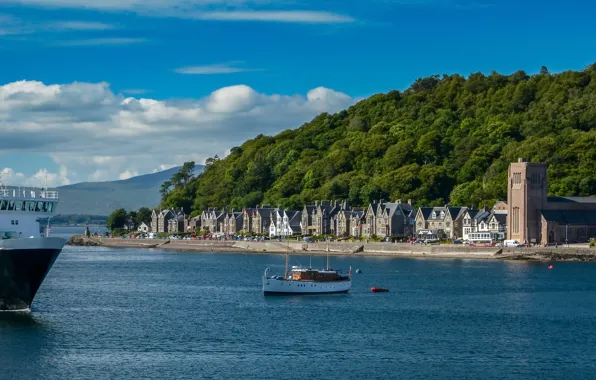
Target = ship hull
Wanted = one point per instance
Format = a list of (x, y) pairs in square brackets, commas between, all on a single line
[(287, 287), (24, 264)]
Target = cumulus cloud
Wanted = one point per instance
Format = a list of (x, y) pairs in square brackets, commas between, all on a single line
[(42, 178), (128, 174), (101, 135)]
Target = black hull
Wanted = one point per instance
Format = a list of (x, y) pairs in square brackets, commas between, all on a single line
[(21, 273), (302, 293)]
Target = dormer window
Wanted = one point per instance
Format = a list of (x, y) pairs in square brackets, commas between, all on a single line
[(434, 215), (442, 214)]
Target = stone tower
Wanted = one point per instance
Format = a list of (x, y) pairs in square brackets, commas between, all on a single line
[(526, 197)]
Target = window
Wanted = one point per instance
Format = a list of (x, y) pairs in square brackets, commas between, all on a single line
[(442, 214), (448, 224), (434, 215)]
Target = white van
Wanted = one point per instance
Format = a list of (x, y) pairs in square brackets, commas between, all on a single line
[(152, 236), (511, 243)]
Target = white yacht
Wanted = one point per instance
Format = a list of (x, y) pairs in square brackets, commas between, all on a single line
[(301, 280)]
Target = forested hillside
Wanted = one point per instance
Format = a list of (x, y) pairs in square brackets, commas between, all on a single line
[(445, 139)]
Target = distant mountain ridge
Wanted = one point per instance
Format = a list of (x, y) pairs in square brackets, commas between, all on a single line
[(101, 198)]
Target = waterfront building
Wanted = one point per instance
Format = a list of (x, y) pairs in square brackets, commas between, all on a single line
[(385, 219), (536, 218), (444, 222), (143, 228)]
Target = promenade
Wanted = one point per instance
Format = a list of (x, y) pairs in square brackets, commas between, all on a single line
[(346, 248)]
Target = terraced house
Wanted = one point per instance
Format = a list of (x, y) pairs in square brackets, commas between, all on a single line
[(233, 222), (261, 220), (444, 222), (285, 223), (160, 220), (212, 220), (385, 219)]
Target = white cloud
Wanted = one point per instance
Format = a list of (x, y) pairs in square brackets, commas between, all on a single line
[(11, 25), (312, 17), (218, 68), (135, 91), (102, 41), (42, 178), (219, 10), (128, 174), (78, 25), (100, 135)]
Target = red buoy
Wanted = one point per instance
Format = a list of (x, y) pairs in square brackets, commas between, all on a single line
[(550, 267), (378, 290)]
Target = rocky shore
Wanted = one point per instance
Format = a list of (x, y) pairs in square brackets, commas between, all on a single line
[(346, 248)]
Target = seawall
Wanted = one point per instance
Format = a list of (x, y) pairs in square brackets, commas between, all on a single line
[(347, 248)]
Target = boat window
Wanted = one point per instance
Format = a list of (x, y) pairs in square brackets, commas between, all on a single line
[(3, 205), (12, 222), (16, 222), (39, 206), (31, 206), (19, 206), (11, 205)]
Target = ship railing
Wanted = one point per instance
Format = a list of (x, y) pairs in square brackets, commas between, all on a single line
[(28, 193)]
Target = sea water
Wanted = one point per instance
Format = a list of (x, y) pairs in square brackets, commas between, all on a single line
[(150, 314)]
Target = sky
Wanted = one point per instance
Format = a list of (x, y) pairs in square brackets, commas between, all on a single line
[(96, 90)]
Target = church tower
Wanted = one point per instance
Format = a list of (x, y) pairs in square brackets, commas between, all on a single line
[(526, 197)]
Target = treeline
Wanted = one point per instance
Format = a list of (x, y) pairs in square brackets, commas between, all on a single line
[(445, 139), (121, 219), (71, 220)]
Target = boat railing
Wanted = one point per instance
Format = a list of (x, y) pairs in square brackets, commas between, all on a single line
[(28, 193)]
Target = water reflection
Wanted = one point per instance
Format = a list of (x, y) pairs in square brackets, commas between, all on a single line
[(18, 319)]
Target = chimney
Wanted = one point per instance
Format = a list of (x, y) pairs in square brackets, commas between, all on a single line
[(398, 201)]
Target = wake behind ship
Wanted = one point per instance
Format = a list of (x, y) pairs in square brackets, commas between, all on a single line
[(26, 252)]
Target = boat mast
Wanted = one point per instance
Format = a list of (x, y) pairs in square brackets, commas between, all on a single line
[(287, 259)]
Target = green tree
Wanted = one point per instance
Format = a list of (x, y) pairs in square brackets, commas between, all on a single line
[(117, 219), (143, 216)]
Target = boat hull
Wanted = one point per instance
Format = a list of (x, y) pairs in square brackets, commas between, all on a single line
[(288, 287), (24, 264)]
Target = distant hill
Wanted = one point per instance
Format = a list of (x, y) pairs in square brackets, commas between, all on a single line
[(101, 198)]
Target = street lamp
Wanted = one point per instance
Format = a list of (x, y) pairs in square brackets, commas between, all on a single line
[(566, 228)]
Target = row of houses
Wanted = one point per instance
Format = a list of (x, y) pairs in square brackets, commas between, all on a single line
[(380, 218)]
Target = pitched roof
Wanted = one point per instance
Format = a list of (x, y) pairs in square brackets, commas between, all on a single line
[(572, 199), (456, 211), (571, 217), (425, 211), (265, 212), (296, 219), (501, 218)]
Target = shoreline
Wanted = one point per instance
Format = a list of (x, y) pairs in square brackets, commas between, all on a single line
[(388, 250)]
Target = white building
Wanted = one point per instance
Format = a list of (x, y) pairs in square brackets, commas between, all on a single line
[(143, 228), (285, 223)]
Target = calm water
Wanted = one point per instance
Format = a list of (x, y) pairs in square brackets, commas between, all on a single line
[(150, 314)]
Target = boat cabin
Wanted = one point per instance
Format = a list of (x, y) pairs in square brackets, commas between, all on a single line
[(304, 274)]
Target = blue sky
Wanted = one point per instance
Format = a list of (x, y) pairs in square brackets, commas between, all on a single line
[(177, 54)]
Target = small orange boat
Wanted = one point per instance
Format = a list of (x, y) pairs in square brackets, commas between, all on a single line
[(378, 290)]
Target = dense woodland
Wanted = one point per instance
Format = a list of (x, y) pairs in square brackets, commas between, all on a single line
[(444, 140)]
